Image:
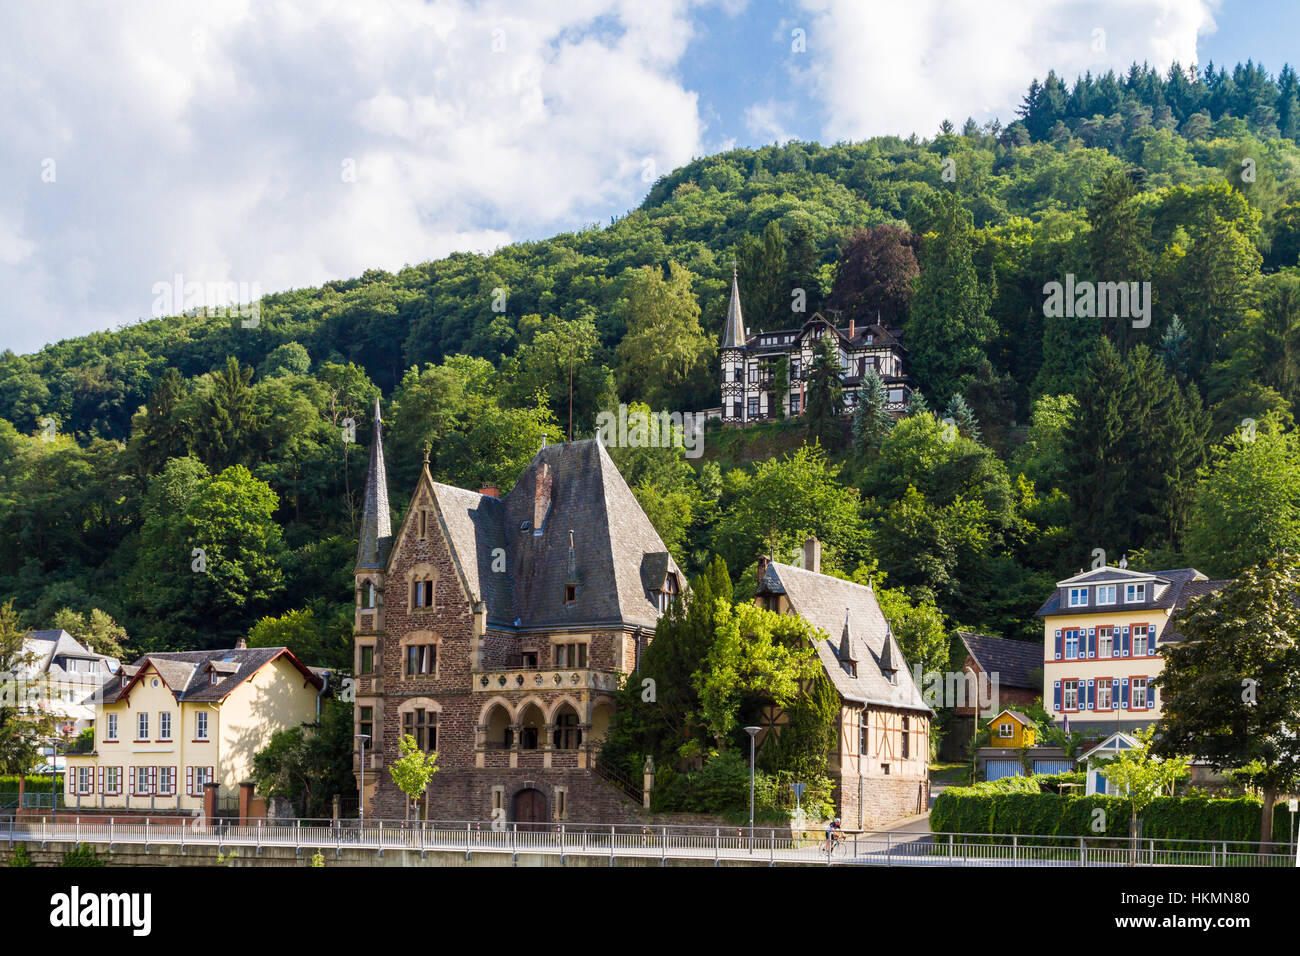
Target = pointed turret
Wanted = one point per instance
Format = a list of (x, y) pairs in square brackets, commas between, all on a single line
[(846, 644), (376, 519), (887, 666), (733, 332)]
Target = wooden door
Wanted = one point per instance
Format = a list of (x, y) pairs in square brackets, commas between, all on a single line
[(530, 807)]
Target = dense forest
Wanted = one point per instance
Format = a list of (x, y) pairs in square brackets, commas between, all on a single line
[(197, 480)]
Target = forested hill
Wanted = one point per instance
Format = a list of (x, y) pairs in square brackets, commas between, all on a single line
[(122, 452)]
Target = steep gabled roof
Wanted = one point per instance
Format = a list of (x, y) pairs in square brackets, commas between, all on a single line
[(1013, 661), (822, 601), (616, 551)]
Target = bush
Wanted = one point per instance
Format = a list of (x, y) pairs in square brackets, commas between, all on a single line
[(20, 856), (81, 856)]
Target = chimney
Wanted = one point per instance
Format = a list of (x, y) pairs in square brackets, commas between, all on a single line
[(541, 497), (812, 555), (853, 328), (763, 562), (489, 491)]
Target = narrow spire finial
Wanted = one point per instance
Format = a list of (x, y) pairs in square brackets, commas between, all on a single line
[(427, 449)]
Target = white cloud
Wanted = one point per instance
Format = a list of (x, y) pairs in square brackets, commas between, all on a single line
[(898, 68), (210, 140)]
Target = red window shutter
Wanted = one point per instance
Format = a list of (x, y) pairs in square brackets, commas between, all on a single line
[(100, 788), (153, 779), (189, 781)]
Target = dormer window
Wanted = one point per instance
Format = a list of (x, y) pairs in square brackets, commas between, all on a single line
[(1135, 593), (1078, 597), (1106, 593), (570, 593), (213, 677), (667, 594)]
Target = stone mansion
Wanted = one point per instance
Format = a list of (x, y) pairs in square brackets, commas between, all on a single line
[(749, 365)]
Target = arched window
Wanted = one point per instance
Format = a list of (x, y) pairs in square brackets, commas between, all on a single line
[(567, 735), (530, 727), (368, 595)]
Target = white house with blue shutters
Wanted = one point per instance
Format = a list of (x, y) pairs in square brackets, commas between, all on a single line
[(1102, 634)]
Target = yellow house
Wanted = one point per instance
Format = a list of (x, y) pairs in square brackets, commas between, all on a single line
[(1102, 635), (1011, 729), (175, 721)]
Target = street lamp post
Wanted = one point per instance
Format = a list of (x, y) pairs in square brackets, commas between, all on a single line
[(361, 794), (54, 770), (753, 732)]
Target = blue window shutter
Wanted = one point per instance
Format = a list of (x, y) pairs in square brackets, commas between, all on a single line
[(1115, 639), (1124, 693), (1058, 645), (1126, 642), (1092, 642), (1056, 696), (1092, 694)]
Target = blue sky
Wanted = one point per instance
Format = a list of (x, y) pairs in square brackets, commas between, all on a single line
[(279, 145)]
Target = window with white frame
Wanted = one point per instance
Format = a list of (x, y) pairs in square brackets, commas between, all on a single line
[(1135, 593), (199, 776), (201, 725), (1141, 642), (1103, 694), (1070, 695), (1071, 644), (167, 781), (1078, 597), (113, 781), (1006, 730), (85, 780), (1106, 593), (110, 731), (1104, 639), (141, 778), (142, 726), (1138, 693), (164, 726)]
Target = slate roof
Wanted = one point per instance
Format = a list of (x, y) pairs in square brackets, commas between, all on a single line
[(1174, 596), (1013, 661), (376, 532), (1192, 590), (187, 674), (823, 601), (616, 555), (47, 646), (733, 330)]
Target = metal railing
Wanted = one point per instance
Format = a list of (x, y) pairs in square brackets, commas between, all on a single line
[(766, 846)]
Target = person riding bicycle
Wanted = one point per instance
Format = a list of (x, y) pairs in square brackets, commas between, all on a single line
[(833, 834)]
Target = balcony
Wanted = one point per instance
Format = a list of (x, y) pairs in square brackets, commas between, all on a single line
[(498, 680)]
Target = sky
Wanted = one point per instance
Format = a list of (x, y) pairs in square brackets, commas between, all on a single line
[(273, 145)]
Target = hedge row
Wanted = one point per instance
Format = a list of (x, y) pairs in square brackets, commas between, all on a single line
[(35, 784), (966, 810)]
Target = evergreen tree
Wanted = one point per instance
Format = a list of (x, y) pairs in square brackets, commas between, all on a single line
[(871, 419), (959, 411), (1117, 245), (949, 329), (825, 393), (1174, 350)]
